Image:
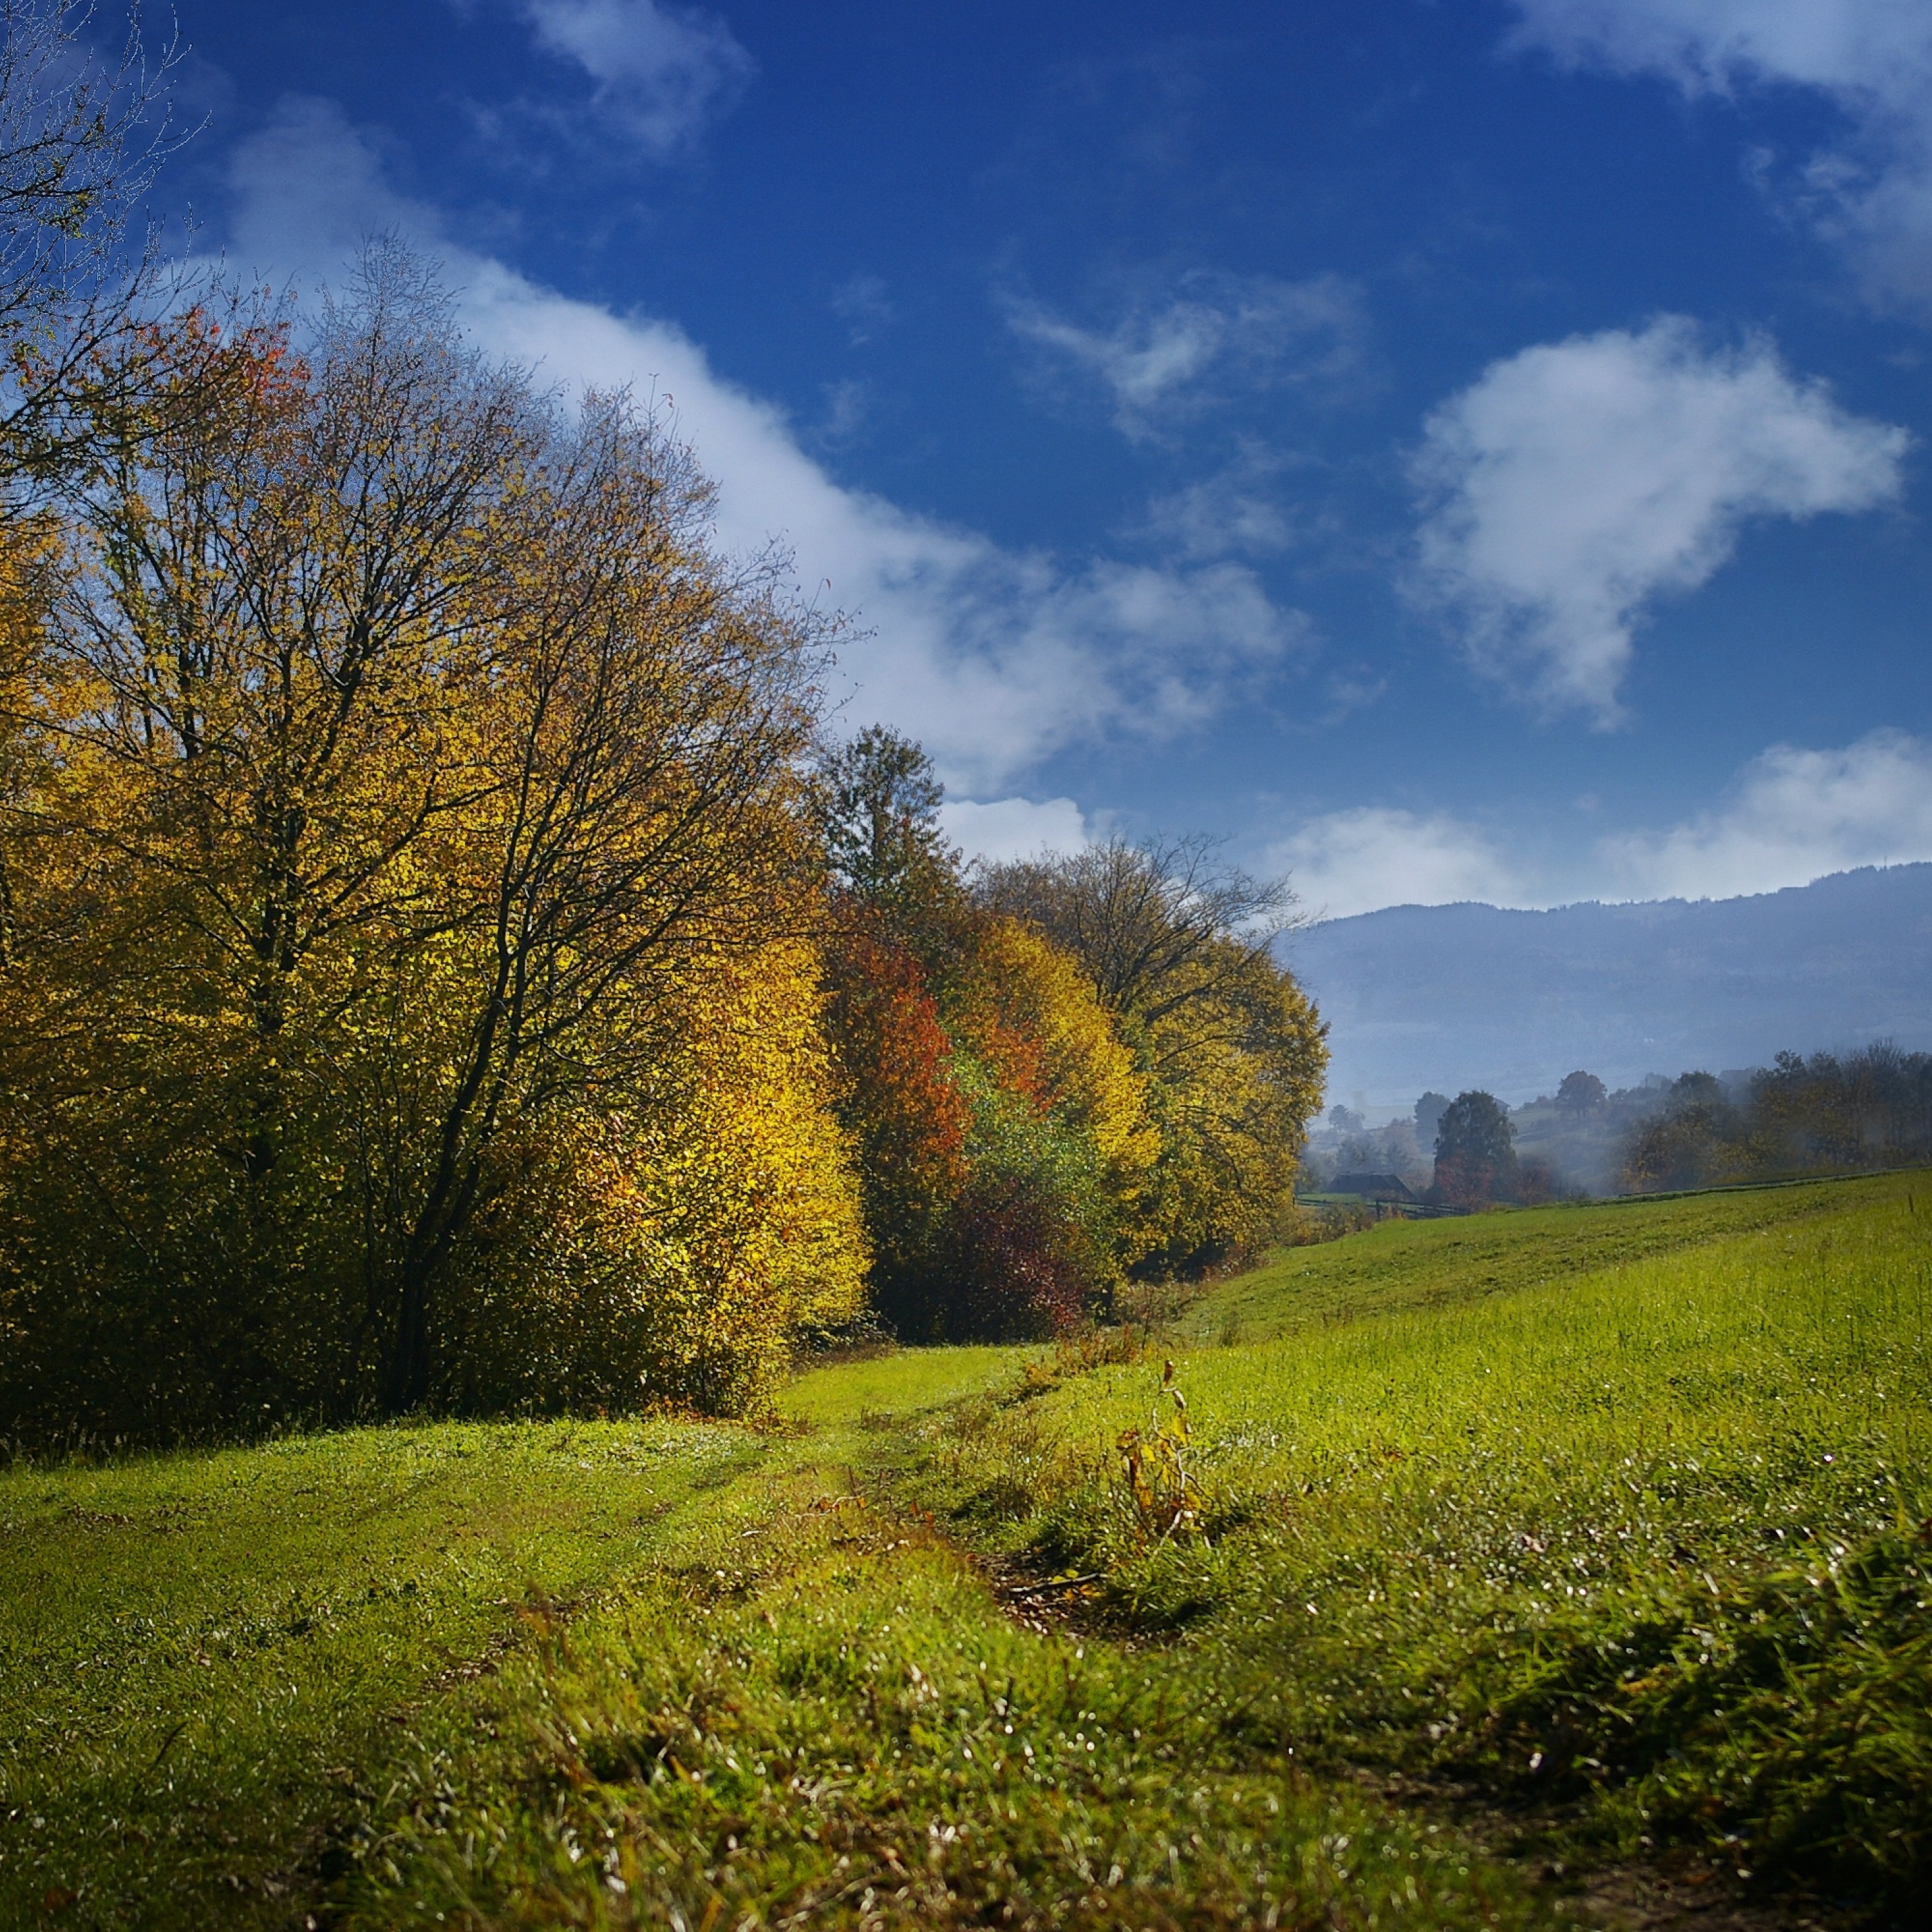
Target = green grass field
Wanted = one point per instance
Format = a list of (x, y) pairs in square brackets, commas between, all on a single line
[(1498, 1551)]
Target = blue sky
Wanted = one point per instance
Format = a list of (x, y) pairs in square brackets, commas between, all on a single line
[(1453, 450)]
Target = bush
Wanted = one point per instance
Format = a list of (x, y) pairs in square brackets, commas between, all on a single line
[(1013, 1270)]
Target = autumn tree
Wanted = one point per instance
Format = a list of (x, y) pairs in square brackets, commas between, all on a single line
[(418, 771), (82, 134), (80, 137), (1064, 1141), (908, 1119), (1475, 1152), (1178, 948), (1005, 1133)]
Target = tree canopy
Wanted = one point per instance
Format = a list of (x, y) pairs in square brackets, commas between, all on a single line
[(405, 866), (1475, 1151), (1581, 1092), (1179, 949)]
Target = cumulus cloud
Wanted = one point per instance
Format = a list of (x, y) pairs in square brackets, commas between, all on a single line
[(1169, 359), (659, 75), (1572, 484), (993, 657), (1872, 190), (1359, 860), (1794, 816), (1013, 828)]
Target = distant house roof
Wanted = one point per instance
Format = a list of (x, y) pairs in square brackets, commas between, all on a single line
[(1372, 1186)]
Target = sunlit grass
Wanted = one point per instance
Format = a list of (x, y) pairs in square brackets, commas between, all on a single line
[(1455, 1537), (901, 1383), (843, 1730), (203, 1659), (1429, 1264)]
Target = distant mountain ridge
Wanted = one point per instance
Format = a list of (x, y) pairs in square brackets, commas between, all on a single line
[(1453, 997)]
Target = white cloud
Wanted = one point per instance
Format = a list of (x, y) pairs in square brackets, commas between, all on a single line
[(993, 657), (1013, 828), (1873, 191), (1359, 860), (1791, 816), (660, 75), (1572, 483), (1794, 816), (1168, 360)]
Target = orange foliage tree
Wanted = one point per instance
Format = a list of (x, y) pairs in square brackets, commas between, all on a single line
[(907, 1117), (1006, 1132)]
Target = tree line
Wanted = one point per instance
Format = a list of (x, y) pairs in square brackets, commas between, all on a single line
[(1061, 1072), (1824, 1113), (1819, 1114), (445, 964)]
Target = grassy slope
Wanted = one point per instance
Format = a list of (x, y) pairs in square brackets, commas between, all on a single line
[(1652, 1535), (474, 1675), (900, 1384), (1424, 1264), (1513, 1498)]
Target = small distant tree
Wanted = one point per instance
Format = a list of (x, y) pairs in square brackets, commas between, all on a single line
[(1475, 1152), (1429, 1112), (1346, 1121), (1580, 1093)]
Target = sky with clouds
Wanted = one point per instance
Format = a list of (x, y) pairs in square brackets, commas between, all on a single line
[(1450, 450)]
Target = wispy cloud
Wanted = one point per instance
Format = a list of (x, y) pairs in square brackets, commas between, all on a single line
[(1573, 484), (659, 75), (994, 657), (1236, 512), (861, 302), (1205, 341), (1871, 190), (1792, 816)]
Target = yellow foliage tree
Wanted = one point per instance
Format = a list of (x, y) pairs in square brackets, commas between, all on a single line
[(667, 1252), (1178, 949), (422, 819), (1026, 1010)]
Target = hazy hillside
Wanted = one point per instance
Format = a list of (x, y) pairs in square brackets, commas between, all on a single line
[(1458, 996)]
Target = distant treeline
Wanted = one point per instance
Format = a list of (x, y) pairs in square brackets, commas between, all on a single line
[(1824, 1114), (1871, 1108)]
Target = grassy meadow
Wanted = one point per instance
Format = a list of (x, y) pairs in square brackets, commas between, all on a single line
[(1492, 1553)]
